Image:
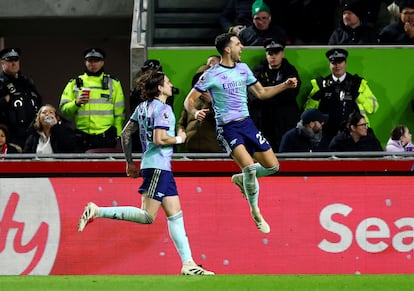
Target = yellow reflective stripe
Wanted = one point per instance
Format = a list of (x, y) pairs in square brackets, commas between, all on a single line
[(95, 112), (100, 101)]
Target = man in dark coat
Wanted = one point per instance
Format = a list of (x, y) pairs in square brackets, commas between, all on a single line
[(273, 117)]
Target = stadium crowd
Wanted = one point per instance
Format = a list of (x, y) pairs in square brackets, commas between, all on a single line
[(94, 102)]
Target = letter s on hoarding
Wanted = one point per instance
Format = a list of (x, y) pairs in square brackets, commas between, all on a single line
[(345, 234)]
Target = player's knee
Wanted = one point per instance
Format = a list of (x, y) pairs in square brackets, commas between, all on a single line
[(274, 169), (178, 215)]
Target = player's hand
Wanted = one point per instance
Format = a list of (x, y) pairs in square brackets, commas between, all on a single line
[(291, 82), (182, 134), (132, 171), (201, 114)]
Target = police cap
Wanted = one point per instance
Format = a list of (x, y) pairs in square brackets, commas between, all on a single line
[(337, 55), (94, 53), (10, 54), (274, 46)]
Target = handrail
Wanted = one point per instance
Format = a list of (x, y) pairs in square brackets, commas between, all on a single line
[(215, 156)]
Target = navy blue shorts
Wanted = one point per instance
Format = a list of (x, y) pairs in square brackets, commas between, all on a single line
[(243, 132), (158, 184)]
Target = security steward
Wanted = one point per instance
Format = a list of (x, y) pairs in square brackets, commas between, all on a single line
[(19, 98), (340, 94), (96, 102)]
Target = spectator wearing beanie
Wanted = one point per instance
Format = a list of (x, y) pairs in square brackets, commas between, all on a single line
[(353, 30), (262, 29)]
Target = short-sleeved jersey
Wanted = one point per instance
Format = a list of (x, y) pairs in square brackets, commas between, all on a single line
[(151, 115), (228, 89)]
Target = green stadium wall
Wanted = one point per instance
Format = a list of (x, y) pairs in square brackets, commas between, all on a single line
[(389, 71)]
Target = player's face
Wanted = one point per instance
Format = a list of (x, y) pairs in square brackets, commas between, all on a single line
[(167, 87), (235, 49), (338, 69)]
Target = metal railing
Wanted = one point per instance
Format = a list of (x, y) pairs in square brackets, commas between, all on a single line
[(217, 156)]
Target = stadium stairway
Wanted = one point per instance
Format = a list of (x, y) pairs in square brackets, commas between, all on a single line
[(185, 23)]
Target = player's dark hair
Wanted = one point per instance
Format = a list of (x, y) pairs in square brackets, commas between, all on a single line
[(149, 82), (223, 40)]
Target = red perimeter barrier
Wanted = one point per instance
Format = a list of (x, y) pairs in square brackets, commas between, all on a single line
[(320, 225), (112, 168)]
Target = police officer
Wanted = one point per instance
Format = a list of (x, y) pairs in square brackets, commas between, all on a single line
[(96, 102), (274, 116), (19, 98), (340, 94)]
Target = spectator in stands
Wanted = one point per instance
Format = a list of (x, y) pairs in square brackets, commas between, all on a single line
[(274, 116), (95, 100), (263, 28), (5, 147), (307, 135), (50, 134), (201, 134), (357, 137), (379, 15), (340, 94), (401, 31), (213, 60), (352, 28), (400, 140), (236, 15), (19, 98)]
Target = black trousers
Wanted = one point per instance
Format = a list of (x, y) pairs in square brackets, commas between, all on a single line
[(85, 141)]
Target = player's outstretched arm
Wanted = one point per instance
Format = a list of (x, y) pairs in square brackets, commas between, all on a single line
[(268, 92)]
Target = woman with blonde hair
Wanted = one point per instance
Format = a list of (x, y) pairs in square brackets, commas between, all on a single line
[(50, 133)]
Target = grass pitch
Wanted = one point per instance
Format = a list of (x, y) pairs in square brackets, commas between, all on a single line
[(218, 282)]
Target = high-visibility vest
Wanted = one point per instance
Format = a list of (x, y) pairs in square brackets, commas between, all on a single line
[(106, 106)]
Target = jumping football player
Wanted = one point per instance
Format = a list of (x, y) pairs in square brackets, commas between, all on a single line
[(227, 83)]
